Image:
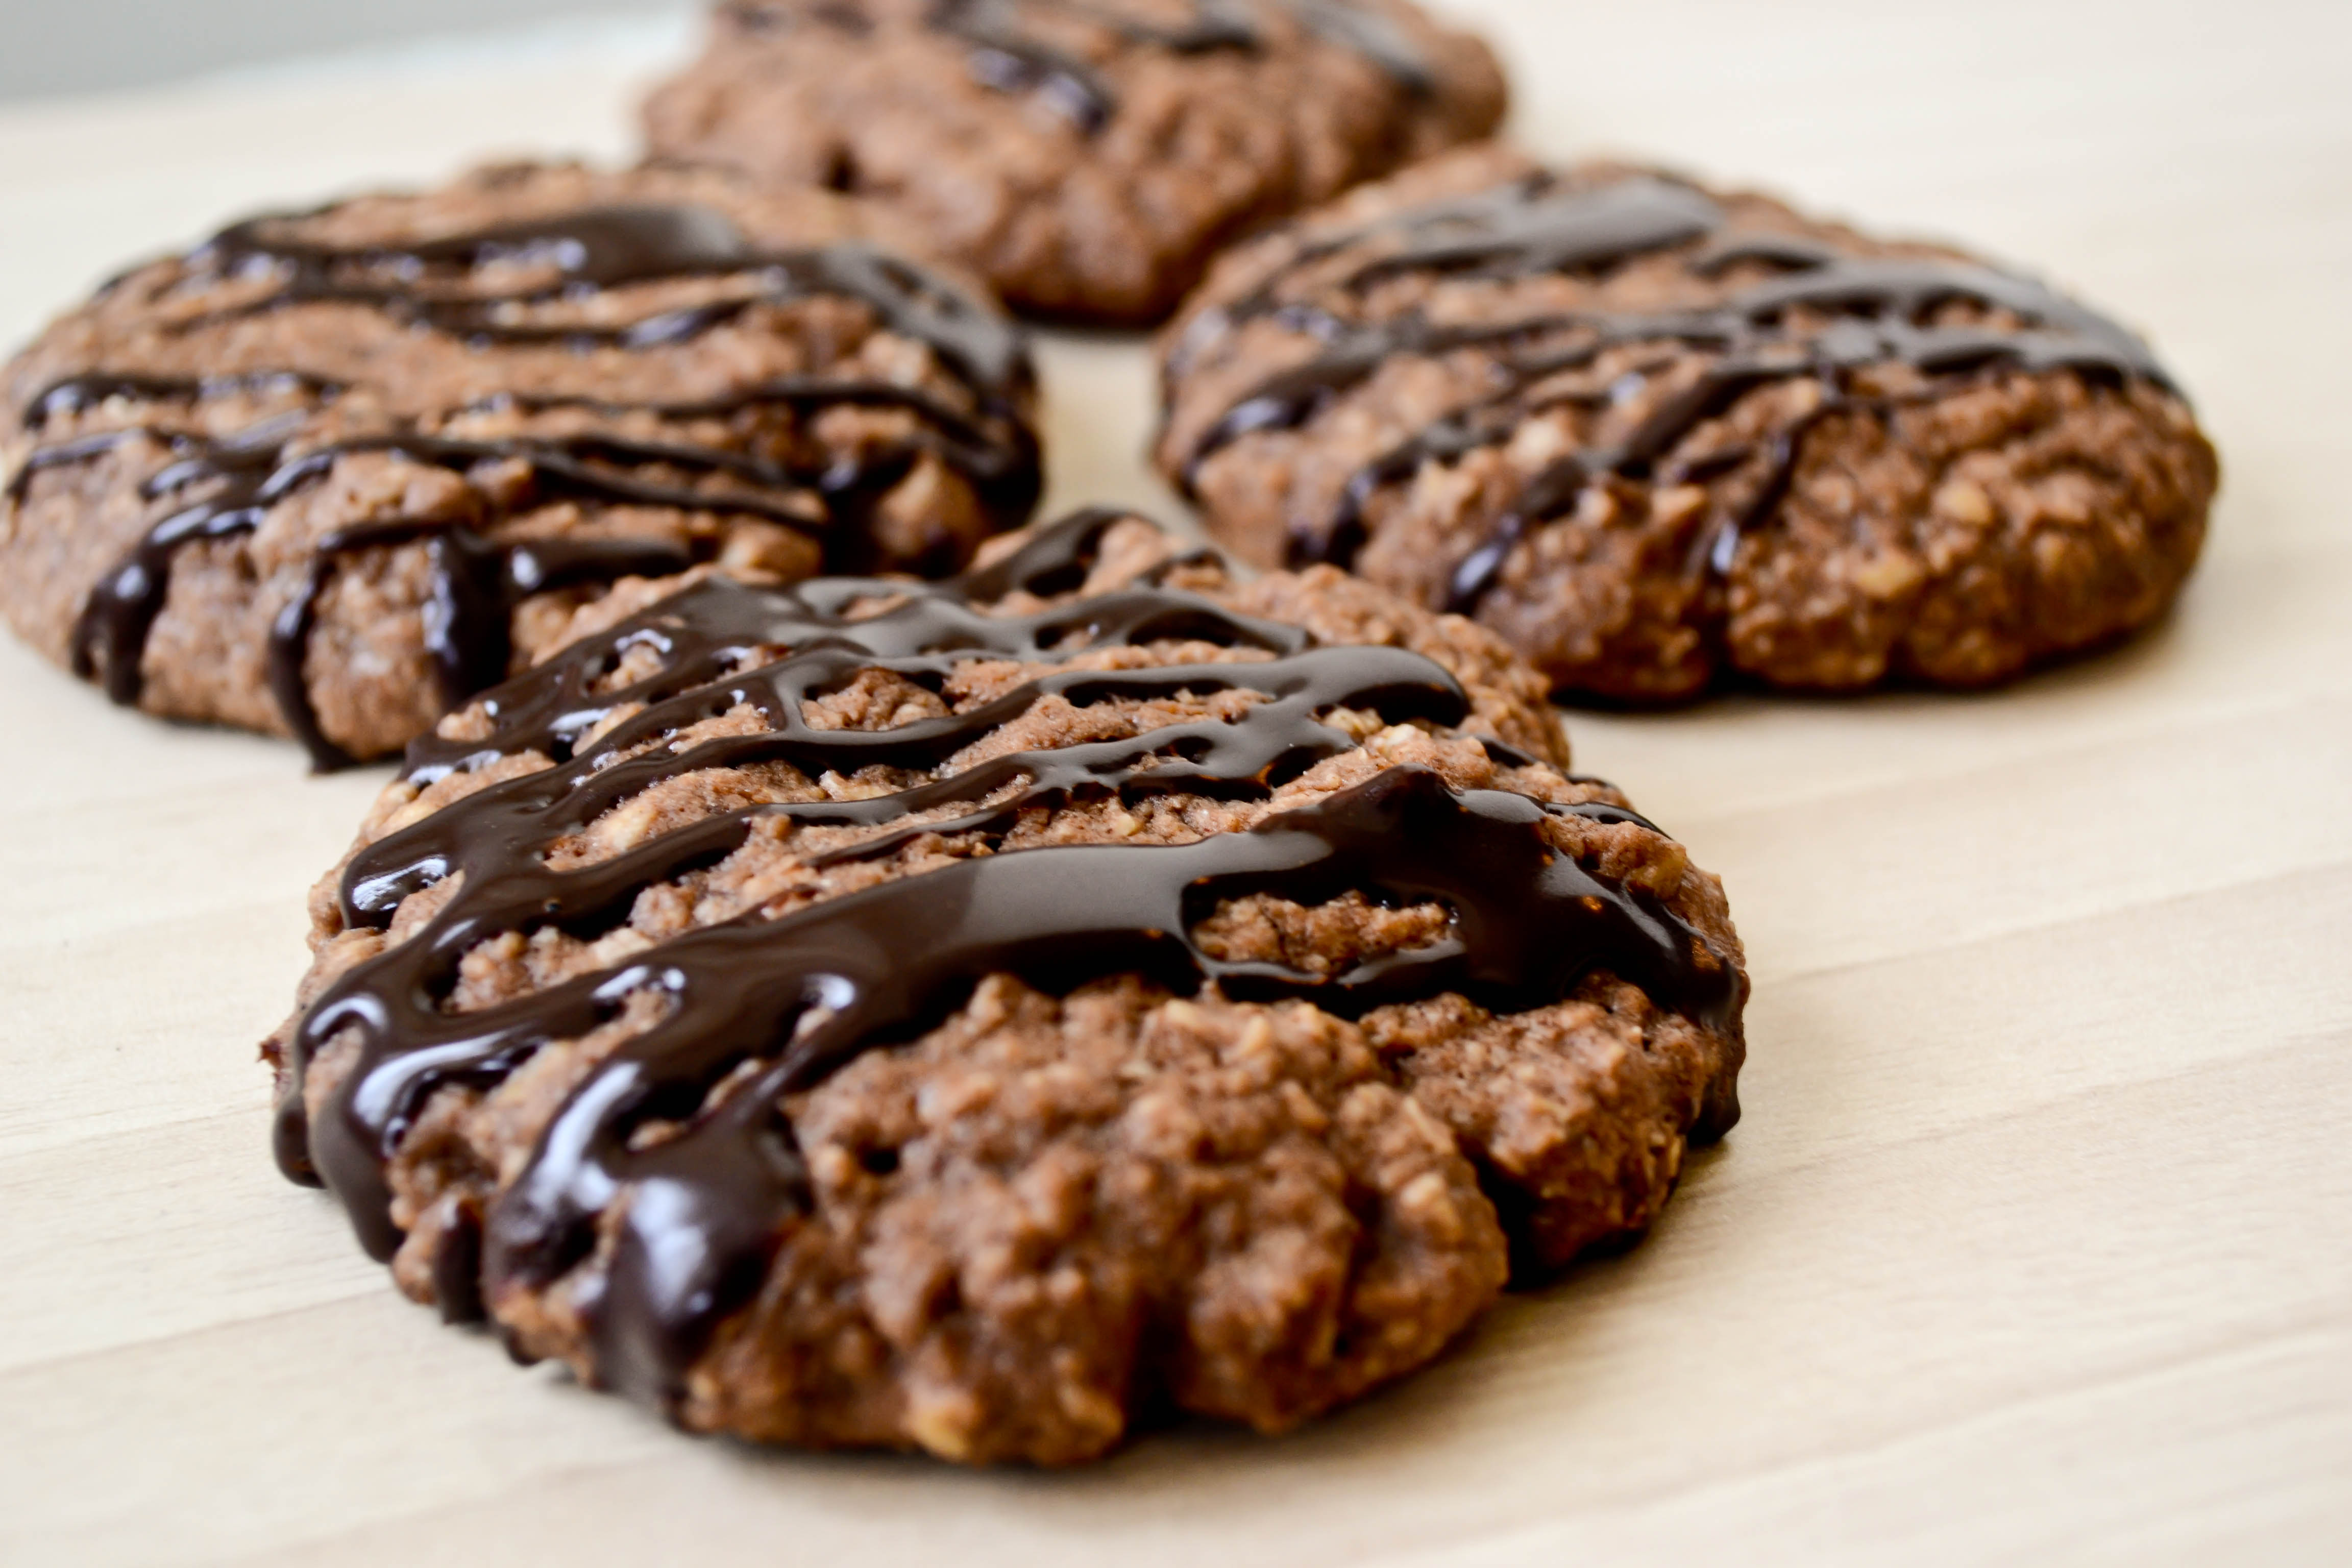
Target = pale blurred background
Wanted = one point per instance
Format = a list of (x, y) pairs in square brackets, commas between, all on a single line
[(59, 47)]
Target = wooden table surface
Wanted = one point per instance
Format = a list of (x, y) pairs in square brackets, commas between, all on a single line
[(2036, 1243)]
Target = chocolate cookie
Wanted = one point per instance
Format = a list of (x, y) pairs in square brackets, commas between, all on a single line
[(1086, 156), (1656, 436), (327, 475), (963, 1018)]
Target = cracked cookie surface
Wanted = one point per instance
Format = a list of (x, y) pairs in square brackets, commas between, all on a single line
[(328, 474), (976, 1018), (1086, 156), (1659, 437)]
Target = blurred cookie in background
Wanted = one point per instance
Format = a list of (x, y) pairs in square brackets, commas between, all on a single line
[(327, 475), (1086, 157), (1659, 436)]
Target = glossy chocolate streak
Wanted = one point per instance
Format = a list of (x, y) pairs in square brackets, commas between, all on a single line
[(772, 1006), (1881, 312), (80, 394), (1006, 57), (438, 285), (602, 248), (1376, 38)]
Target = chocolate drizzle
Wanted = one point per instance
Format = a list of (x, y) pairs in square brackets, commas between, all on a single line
[(600, 249), (1008, 57), (80, 394), (772, 1006), (1880, 312), (218, 487)]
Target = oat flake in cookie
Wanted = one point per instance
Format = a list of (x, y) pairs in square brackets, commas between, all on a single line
[(329, 475), (1656, 436), (1088, 987), (1086, 156)]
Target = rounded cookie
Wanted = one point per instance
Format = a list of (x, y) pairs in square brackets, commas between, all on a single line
[(1088, 987), (1086, 156), (327, 475), (1658, 436)]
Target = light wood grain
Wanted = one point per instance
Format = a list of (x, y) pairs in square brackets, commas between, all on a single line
[(2037, 1242)]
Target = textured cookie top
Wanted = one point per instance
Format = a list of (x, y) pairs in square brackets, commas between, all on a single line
[(1086, 156), (586, 988), (304, 477), (1626, 420)]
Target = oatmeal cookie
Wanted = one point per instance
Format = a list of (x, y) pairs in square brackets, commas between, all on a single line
[(1086, 156), (327, 475), (1658, 436), (968, 1017)]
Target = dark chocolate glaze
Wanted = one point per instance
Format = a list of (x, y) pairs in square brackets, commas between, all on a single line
[(773, 1006), (80, 394), (1006, 57), (476, 583), (1881, 313), (1371, 34), (610, 248)]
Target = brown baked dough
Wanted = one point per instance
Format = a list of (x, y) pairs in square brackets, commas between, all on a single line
[(1086, 157), (546, 1054), (328, 474), (1659, 437)]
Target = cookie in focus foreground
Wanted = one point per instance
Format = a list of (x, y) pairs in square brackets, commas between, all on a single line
[(1086, 157), (1090, 987), (1658, 436), (327, 475)]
